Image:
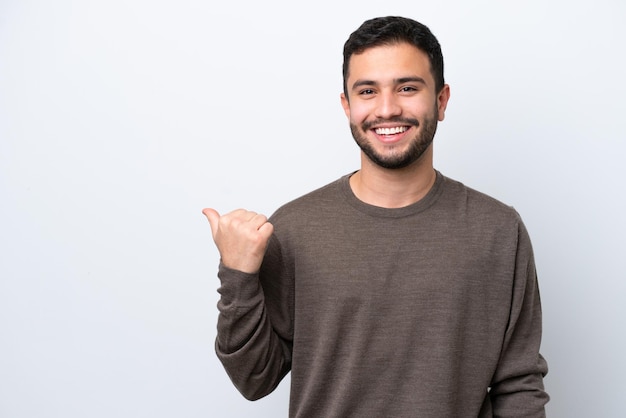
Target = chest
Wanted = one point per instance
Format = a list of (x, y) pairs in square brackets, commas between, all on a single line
[(413, 278)]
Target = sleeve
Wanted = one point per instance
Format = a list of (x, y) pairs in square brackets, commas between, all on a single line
[(254, 331), (517, 388)]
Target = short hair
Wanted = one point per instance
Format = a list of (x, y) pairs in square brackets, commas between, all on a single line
[(393, 30)]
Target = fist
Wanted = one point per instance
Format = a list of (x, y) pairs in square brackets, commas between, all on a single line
[(241, 238)]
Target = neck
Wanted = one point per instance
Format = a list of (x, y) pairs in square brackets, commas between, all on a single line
[(395, 188)]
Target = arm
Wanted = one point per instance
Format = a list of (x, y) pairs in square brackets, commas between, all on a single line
[(255, 353), (517, 388)]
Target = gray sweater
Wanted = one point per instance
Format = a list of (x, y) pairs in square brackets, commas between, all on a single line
[(430, 310)]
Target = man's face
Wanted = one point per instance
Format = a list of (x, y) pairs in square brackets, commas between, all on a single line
[(392, 104)]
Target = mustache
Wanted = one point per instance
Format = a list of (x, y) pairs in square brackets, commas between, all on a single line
[(399, 120)]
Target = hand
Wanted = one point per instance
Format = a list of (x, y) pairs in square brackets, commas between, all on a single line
[(241, 238)]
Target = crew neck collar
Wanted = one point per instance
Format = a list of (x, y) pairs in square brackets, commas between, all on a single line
[(377, 211)]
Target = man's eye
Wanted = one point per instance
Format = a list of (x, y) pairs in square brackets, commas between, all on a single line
[(407, 89), (366, 92)]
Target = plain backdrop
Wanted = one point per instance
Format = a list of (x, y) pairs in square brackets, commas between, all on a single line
[(121, 119)]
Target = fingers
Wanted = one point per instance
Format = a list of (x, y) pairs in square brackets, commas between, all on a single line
[(257, 220), (266, 230), (239, 217), (246, 225)]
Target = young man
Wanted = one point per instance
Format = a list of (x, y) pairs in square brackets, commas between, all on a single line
[(394, 291)]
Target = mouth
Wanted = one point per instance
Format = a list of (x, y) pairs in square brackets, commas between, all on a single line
[(390, 131), (390, 135)]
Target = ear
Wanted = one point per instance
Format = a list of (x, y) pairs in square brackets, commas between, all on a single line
[(442, 101), (345, 103)]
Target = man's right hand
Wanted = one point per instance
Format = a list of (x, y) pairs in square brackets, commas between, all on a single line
[(241, 238)]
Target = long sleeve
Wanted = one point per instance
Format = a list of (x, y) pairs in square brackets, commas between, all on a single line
[(253, 343), (517, 388)]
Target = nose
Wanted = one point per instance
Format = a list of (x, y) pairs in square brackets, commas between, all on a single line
[(387, 106)]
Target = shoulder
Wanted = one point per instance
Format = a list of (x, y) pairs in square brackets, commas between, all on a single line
[(298, 221), (490, 221), (475, 198), (312, 204), (477, 206)]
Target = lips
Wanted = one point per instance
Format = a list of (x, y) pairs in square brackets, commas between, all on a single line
[(390, 135), (391, 131)]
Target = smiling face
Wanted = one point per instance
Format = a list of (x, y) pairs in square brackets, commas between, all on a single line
[(392, 104)]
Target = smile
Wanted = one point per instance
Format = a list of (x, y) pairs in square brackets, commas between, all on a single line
[(391, 131)]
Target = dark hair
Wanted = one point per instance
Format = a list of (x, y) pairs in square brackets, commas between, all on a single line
[(392, 30)]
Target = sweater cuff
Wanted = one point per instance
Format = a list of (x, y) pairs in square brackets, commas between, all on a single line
[(237, 287)]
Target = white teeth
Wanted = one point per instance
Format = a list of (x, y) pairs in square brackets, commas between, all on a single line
[(390, 131)]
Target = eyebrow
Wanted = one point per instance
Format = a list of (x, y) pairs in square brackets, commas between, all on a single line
[(401, 80)]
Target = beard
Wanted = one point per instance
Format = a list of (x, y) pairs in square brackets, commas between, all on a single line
[(397, 159)]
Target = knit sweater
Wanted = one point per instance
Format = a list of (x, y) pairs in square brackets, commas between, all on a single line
[(430, 310)]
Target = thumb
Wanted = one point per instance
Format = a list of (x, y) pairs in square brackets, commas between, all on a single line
[(213, 217)]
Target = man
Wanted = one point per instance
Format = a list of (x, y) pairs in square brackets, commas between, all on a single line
[(394, 291)]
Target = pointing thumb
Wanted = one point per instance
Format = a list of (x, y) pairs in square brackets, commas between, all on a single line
[(213, 217)]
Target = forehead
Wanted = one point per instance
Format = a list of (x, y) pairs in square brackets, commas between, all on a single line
[(394, 61)]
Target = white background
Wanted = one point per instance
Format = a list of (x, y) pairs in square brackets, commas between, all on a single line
[(121, 119)]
